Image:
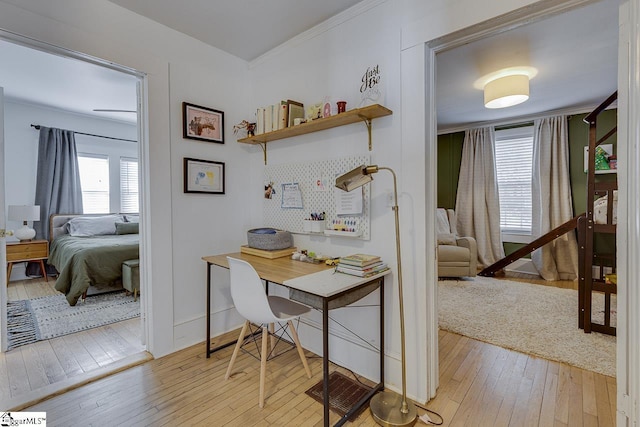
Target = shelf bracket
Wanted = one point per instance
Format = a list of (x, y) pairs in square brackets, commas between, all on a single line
[(263, 145), (367, 122)]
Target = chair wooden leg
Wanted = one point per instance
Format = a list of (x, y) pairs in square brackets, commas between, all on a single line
[(237, 349), (294, 334), (272, 340), (263, 363)]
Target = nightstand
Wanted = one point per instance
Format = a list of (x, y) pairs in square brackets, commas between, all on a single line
[(34, 250)]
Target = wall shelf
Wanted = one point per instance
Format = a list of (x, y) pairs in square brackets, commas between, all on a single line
[(364, 114)]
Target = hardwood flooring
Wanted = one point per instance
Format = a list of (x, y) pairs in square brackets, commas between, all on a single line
[(30, 372), (480, 385)]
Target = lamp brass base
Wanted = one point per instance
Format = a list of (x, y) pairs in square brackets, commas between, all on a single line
[(385, 408)]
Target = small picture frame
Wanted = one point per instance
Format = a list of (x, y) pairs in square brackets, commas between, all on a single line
[(203, 176), (202, 123), (295, 111)]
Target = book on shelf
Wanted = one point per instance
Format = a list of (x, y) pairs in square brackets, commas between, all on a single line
[(359, 260), (275, 109), (259, 121), (268, 119), (283, 110), (362, 273)]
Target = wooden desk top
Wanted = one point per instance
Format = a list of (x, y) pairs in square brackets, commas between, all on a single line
[(276, 270)]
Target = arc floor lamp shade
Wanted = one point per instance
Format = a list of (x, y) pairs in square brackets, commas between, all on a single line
[(506, 91)]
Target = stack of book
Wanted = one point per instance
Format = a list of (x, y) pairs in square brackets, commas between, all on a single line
[(278, 116), (361, 265)]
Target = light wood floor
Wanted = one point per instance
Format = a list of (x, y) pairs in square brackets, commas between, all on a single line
[(480, 384), (29, 372)]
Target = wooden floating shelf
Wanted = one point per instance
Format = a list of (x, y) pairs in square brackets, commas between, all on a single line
[(364, 114)]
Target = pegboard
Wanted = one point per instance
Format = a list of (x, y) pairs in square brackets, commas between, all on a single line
[(306, 176)]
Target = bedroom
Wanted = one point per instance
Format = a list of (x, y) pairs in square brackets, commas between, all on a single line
[(560, 69), (54, 91)]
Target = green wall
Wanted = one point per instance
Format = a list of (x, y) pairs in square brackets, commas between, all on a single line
[(450, 155)]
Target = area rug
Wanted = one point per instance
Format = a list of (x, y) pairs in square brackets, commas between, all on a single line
[(534, 319), (48, 317)]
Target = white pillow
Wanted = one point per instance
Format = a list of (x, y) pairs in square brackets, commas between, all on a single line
[(132, 218), (85, 226)]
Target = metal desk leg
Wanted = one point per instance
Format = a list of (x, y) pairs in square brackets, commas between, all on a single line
[(208, 316), (381, 287), (325, 359)]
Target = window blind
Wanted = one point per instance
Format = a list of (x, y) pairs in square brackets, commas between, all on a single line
[(514, 158), (128, 185), (94, 179)]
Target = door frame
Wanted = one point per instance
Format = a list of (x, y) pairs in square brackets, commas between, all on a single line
[(3, 247), (143, 167)]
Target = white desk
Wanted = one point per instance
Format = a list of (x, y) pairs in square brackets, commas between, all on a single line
[(324, 290)]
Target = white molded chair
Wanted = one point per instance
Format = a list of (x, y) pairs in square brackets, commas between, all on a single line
[(257, 307)]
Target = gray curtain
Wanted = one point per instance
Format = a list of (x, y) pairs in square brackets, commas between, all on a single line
[(58, 178), (477, 202), (551, 198)]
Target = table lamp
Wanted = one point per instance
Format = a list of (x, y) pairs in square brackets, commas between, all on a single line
[(388, 409), (24, 213)]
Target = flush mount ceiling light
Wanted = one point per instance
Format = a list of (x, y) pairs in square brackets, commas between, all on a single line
[(506, 91), (506, 87)]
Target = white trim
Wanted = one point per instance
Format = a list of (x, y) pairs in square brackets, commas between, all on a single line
[(323, 27), (628, 230)]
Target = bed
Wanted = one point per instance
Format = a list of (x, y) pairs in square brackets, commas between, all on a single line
[(89, 250)]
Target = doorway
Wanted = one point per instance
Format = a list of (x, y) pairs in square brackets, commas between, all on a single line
[(535, 44), (69, 358)]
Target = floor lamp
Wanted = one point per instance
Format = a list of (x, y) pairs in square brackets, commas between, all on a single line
[(387, 407)]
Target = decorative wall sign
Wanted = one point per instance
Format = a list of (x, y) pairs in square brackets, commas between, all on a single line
[(202, 123), (371, 86)]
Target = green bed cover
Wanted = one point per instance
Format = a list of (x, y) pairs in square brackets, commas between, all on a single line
[(82, 261)]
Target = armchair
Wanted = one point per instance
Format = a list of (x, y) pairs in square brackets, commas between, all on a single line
[(457, 256)]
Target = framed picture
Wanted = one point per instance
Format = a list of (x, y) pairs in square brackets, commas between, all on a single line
[(203, 176), (295, 111), (202, 123)]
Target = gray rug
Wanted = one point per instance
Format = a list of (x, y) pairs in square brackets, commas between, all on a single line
[(48, 317), (533, 319)]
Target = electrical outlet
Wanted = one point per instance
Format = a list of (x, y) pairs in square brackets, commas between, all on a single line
[(390, 199)]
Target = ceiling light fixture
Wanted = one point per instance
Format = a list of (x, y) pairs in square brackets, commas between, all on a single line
[(506, 91)]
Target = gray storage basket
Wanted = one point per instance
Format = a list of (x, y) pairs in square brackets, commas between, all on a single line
[(281, 239)]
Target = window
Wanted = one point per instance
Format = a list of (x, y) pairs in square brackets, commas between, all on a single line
[(128, 185), (514, 158), (94, 179)]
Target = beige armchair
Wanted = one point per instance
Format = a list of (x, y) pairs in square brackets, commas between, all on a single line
[(457, 256)]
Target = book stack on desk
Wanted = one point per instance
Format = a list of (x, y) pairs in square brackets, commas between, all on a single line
[(361, 265)]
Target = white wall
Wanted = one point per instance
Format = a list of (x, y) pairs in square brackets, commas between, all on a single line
[(331, 63), (21, 150)]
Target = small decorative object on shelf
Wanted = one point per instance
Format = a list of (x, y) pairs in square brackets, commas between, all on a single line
[(249, 127), (342, 106)]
